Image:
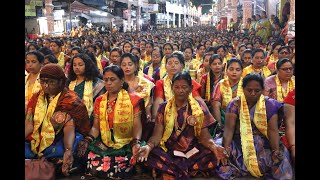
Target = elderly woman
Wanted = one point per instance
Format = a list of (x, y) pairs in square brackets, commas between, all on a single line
[(251, 135), (56, 120), (85, 79), (181, 146), (114, 139), (277, 86)]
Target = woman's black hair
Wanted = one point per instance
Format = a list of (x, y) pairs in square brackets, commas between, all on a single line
[(282, 61), (160, 51), (275, 44), (220, 46), (183, 75), (133, 58), (234, 60), (34, 45), (252, 77), (167, 44), (51, 58), (285, 47), (119, 72), (136, 48), (177, 55), (258, 50), (242, 45), (45, 51), (91, 70), (188, 47), (39, 55)]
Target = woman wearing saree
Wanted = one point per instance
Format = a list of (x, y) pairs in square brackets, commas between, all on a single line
[(258, 64), (204, 68), (153, 70), (85, 79), (251, 135), (210, 80), (226, 90), (277, 86), (163, 91), (263, 28), (34, 62), (55, 131), (141, 86), (114, 138), (181, 127)]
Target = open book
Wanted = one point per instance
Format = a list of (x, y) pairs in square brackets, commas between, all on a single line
[(187, 155)]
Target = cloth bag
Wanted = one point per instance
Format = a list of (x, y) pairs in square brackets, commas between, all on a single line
[(39, 169)]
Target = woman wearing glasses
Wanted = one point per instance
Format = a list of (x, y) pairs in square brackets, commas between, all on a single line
[(277, 86)]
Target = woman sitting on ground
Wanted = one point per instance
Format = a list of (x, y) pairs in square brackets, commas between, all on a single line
[(182, 129), (114, 138), (251, 135)]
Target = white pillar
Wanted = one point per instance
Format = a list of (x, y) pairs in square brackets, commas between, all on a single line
[(184, 16), (174, 20), (138, 16), (168, 17), (179, 20), (129, 16)]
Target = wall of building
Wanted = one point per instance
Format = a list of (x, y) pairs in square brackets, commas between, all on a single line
[(272, 7), (30, 24)]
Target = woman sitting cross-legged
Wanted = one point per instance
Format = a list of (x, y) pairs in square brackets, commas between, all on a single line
[(181, 146), (56, 121), (115, 136), (251, 135)]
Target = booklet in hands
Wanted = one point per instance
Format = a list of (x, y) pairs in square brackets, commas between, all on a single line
[(187, 155)]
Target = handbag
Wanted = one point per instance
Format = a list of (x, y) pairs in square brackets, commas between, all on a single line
[(39, 169)]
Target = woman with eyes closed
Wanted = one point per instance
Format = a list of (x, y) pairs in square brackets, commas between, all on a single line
[(85, 79), (140, 85), (181, 127), (251, 135), (226, 90), (112, 143)]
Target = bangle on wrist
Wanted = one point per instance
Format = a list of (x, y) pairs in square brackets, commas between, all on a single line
[(135, 141), (151, 145), (89, 138)]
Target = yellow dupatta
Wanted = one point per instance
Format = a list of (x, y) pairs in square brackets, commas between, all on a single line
[(208, 87), (144, 89), (42, 115), (147, 58), (226, 91), (198, 58), (272, 59), (35, 88), (61, 60), (163, 70), (266, 72), (87, 94), (122, 121), (167, 88), (170, 114), (281, 93), (247, 141), (99, 63)]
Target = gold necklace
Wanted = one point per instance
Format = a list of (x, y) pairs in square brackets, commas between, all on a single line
[(110, 105), (177, 128)]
